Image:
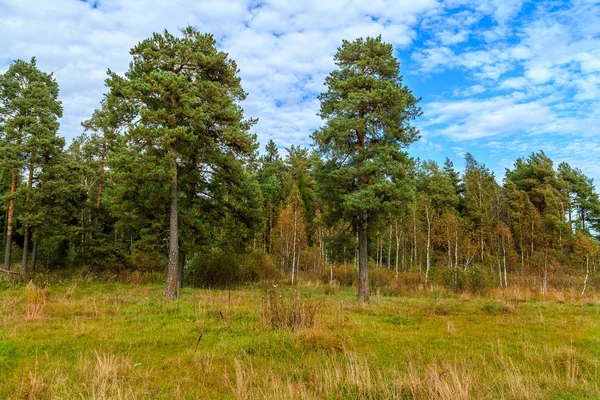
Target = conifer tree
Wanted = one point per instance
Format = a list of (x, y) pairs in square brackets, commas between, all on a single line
[(181, 127), (29, 111), (367, 111)]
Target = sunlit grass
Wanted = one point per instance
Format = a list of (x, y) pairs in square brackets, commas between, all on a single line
[(116, 341)]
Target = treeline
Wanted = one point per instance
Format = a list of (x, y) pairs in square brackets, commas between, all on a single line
[(166, 177)]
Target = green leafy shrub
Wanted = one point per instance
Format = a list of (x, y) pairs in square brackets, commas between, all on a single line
[(478, 279)]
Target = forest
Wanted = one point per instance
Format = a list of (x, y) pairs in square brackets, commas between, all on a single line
[(165, 254), (167, 178)]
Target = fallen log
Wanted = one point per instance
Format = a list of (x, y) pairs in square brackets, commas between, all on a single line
[(9, 272)]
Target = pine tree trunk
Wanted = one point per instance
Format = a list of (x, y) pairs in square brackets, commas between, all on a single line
[(363, 257), (9, 228), (172, 290)]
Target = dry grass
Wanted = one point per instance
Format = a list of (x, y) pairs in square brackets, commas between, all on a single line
[(111, 341), (292, 311), (104, 376), (35, 301)]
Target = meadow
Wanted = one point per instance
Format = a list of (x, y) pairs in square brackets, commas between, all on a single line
[(81, 338)]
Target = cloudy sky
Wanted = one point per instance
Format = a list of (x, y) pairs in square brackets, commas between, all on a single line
[(497, 78)]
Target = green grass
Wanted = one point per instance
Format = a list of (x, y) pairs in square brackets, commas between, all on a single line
[(110, 341)]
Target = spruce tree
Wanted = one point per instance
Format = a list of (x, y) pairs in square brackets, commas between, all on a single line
[(367, 111)]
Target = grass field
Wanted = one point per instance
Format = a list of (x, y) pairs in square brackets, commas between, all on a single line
[(116, 341)]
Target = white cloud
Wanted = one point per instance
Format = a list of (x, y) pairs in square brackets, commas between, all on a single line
[(475, 119), (538, 74), (531, 73), (284, 49)]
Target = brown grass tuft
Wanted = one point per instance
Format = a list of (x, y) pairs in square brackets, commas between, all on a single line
[(35, 301), (279, 311)]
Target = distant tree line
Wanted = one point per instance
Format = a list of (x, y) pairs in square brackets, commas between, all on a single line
[(167, 177)]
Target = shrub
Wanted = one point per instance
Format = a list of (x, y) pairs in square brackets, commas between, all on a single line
[(101, 255), (380, 277), (451, 278), (218, 268), (343, 275), (478, 279), (264, 266), (149, 260)]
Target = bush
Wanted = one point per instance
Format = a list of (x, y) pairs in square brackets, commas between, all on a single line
[(102, 255), (344, 276), (454, 279), (149, 261), (263, 264), (478, 279), (380, 277), (218, 268)]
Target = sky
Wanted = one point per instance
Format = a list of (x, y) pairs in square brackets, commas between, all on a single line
[(497, 78)]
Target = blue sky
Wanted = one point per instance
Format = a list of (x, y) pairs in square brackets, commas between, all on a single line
[(497, 78)]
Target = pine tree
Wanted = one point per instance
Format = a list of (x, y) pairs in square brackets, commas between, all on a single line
[(182, 128), (367, 111), (30, 110)]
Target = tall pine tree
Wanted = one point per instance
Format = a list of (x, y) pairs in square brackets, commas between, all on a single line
[(367, 111), (29, 109), (181, 127)]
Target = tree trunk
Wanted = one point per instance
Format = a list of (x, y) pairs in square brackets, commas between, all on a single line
[(545, 280), (587, 273), (9, 228), (363, 257), (449, 254), (172, 290)]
